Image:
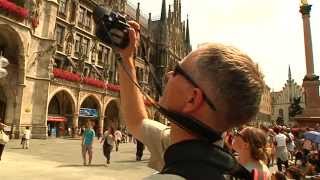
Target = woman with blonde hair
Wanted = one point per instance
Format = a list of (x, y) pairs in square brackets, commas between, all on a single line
[(250, 143)]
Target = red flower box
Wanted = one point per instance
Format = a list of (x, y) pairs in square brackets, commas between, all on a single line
[(113, 87), (66, 75), (69, 76), (13, 9), (94, 82)]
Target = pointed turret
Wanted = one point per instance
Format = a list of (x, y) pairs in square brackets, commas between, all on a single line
[(169, 14), (289, 74), (149, 22), (187, 38), (163, 24), (163, 11), (175, 5), (138, 13), (175, 11), (179, 13), (187, 31)]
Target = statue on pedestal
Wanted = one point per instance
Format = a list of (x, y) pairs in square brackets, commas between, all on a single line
[(304, 2)]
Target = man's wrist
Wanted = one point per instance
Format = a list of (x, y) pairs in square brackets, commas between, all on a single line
[(128, 63)]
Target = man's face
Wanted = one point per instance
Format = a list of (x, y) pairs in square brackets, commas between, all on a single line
[(177, 89)]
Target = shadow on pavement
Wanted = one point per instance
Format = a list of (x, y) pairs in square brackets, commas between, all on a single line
[(15, 148), (80, 165), (131, 161)]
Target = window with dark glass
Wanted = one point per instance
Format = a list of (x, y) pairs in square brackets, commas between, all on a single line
[(103, 54), (77, 46), (59, 36), (100, 52), (85, 46), (82, 12), (88, 20)]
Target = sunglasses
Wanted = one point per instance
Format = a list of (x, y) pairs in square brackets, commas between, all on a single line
[(179, 70)]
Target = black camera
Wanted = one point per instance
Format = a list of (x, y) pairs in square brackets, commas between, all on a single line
[(111, 27)]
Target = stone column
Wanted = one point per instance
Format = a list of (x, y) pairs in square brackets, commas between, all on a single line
[(75, 120), (101, 122), (305, 11)]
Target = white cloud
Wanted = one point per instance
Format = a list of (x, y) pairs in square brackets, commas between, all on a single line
[(270, 31)]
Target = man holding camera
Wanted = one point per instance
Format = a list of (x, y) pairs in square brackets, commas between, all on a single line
[(217, 85)]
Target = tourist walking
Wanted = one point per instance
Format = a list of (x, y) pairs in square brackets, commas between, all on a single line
[(291, 145), (26, 138), (118, 137), (3, 138), (281, 149), (307, 147), (87, 141), (108, 143)]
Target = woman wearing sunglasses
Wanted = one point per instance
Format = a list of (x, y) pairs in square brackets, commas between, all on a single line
[(250, 144)]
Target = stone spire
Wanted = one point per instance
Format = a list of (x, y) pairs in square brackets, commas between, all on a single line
[(179, 10), (169, 14), (187, 31), (289, 74), (138, 13), (175, 10), (163, 11), (175, 5), (149, 22)]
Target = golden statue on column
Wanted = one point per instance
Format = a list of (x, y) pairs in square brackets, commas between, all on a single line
[(304, 2), (311, 114)]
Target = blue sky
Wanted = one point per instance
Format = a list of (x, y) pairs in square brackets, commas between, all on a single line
[(270, 31)]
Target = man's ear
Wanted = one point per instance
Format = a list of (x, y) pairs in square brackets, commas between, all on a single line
[(193, 101)]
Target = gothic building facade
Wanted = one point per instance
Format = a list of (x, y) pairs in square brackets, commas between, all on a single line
[(265, 109), (60, 74), (282, 100)]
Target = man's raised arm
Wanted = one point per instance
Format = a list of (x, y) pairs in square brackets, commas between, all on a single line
[(132, 103)]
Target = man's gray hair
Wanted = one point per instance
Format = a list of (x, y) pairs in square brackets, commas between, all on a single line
[(230, 77)]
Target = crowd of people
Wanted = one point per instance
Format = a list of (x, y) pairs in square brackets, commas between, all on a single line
[(295, 156)]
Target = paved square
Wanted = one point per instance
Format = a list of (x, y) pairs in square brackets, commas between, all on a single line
[(61, 159)]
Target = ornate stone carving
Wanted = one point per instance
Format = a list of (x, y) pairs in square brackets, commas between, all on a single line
[(74, 10), (49, 51), (69, 41), (93, 50)]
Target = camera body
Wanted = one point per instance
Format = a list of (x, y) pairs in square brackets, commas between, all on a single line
[(111, 27)]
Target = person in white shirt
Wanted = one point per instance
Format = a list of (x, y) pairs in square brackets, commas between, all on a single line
[(281, 149), (108, 143), (26, 138), (291, 145), (118, 137)]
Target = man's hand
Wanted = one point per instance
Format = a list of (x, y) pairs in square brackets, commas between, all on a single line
[(128, 53)]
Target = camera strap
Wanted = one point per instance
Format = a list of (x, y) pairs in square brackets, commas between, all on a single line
[(188, 123), (191, 124)]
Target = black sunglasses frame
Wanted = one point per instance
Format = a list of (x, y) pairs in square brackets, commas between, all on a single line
[(179, 70)]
